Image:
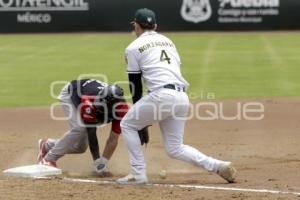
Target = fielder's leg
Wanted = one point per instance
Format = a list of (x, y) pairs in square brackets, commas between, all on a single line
[(140, 115), (173, 130)]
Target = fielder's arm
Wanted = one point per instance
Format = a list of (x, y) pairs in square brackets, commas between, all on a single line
[(136, 87)]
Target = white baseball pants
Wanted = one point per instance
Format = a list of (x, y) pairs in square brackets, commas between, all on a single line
[(169, 108)]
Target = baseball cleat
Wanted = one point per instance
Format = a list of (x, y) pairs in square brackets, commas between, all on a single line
[(42, 150), (226, 171), (133, 179), (50, 163)]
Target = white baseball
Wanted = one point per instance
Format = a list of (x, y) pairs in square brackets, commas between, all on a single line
[(163, 174)]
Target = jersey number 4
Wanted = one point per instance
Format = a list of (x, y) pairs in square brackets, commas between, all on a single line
[(164, 57)]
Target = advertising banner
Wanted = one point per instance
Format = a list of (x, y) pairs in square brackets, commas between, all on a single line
[(173, 15)]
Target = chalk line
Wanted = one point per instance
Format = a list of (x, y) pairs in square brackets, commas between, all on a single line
[(200, 187)]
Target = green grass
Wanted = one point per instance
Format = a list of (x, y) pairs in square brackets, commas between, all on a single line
[(230, 65)]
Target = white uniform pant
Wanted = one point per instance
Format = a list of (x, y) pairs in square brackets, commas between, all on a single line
[(170, 108), (73, 141)]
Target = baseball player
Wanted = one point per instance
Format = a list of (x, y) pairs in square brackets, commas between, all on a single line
[(154, 58), (87, 103)]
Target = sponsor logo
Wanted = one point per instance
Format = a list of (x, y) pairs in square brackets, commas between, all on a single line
[(196, 10), (247, 11), (26, 7), (44, 5), (230, 11)]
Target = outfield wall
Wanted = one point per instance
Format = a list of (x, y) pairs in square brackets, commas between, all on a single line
[(173, 15)]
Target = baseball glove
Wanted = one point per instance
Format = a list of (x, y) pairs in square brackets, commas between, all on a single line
[(144, 136)]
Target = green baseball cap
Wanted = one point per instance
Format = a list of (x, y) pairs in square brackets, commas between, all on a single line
[(144, 16)]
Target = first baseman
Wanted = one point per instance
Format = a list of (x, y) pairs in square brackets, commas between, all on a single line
[(87, 103), (154, 58)]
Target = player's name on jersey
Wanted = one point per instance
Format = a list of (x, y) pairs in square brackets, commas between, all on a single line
[(155, 44)]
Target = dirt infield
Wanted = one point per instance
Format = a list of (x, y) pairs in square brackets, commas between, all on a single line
[(265, 152)]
